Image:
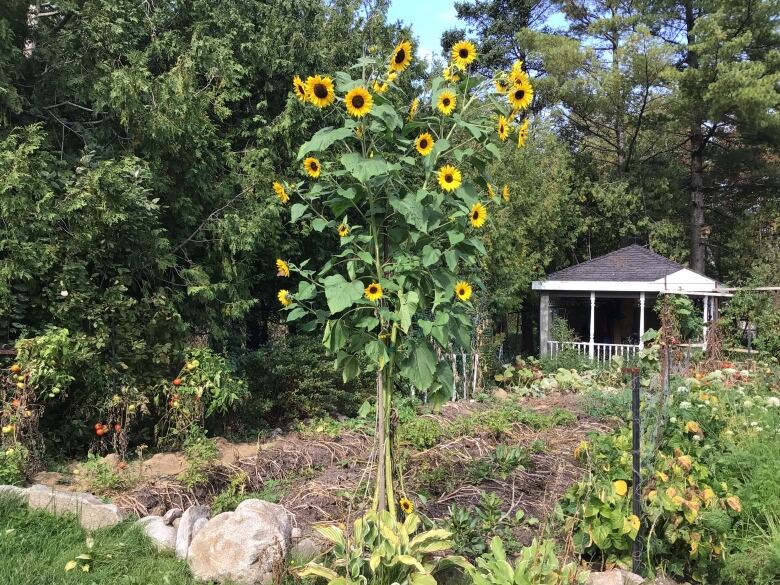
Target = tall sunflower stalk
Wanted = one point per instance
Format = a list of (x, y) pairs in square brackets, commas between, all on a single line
[(401, 183)]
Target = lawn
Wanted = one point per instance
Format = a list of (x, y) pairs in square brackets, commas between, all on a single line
[(36, 547)]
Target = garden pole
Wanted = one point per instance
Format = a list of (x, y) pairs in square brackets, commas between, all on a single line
[(636, 479)]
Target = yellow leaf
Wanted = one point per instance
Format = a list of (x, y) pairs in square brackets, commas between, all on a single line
[(708, 496), (662, 476), (620, 487), (85, 568), (70, 565), (734, 503), (685, 462), (693, 427)]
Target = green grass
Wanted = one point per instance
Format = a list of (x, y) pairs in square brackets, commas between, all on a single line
[(35, 547)]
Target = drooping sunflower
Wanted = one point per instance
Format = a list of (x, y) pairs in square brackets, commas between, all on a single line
[(413, 107), (446, 102), (503, 128), (359, 132), (319, 90), (406, 505), (491, 192), (522, 133), (282, 269), (401, 57), (424, 143), (449, 178), (299, 87), (478, 215), (343, 230), (312, 167), (505, 193), (281, 192), (463, 290), (284, 297), (463, 54), (373, 291), (359, 102), (502, 84), (450, 75), (520, 95)]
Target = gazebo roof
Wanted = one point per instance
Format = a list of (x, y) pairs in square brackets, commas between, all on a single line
[(629, 270), (630, 264)]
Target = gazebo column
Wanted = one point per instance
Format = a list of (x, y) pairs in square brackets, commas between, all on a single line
[(641, 319), (544, 323), (592, 347), (706, 314)]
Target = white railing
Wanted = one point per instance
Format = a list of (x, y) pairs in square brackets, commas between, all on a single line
[(602, 352)]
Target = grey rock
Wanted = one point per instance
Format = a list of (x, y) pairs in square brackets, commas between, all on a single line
[(247, 547), (296, 533), (161, 534), (304, 551), (615, 577), (662, 580), (172, 515), (92, 512), (13, 492), (184, 534)]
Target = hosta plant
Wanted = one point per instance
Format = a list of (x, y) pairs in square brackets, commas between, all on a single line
[(382, 550), (536, 564), (401, 182)]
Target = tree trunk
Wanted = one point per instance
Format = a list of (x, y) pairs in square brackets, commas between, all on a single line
[(697, 144)]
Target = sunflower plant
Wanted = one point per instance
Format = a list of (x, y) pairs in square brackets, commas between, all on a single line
[(401, 183)]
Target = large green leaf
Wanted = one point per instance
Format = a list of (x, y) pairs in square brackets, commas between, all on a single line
[(323, 139), (419, 367), (340, 293), (409, 302), (363, 168), (412, 210)]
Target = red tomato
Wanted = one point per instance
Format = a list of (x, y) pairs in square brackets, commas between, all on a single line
[(100, 432), (117, 427), (98, 425), (177, 382)]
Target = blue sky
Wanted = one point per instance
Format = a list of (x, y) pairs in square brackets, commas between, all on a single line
[(428, 18)]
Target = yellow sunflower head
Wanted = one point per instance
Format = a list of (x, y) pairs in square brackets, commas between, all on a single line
[(505, 193), (413, 107), (449, 178), (502, 84), (282, 269), (478, 215), (406, 505), (359, 102), (522, 133), (450, 75), (284, 297), (299, 87), (463, 54), (503, 127), (424, 143), (446, 102), (380, 88), (517, 68), (319, 90), (401, 57), (373, 291), (343, 230), (312, 167), (463, 290), (281, 192), (520, 95)]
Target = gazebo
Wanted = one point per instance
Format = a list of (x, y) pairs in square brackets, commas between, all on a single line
[(605, 301)]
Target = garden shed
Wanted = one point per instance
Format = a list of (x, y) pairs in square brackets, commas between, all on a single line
[(608, 301)]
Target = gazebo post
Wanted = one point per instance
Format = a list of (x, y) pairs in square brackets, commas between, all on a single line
[(592, 347), (544, 323), (641, 319), (706, 311)]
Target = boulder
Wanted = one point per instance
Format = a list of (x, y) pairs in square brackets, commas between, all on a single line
[(500, 394), (615, 577), (247, 547), (172, 515), (304, 551), (92, 512), (161, 534), (186, 525), (13, 492)]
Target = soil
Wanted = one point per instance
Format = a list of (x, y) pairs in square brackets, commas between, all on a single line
[(327, 479)]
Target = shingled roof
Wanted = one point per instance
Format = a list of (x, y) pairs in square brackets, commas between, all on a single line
[(630, 264)]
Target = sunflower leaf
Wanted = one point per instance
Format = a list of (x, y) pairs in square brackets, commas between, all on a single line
[(323, 139)]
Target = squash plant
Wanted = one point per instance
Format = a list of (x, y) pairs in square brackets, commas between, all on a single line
[(401, 181)]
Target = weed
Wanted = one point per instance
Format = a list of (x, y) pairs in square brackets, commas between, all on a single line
[(200, 453), (227, 501), (421, 433), (472, 527), (101, 475)]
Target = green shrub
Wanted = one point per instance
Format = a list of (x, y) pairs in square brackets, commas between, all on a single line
[(294, 379), (101, 475), (235, 493), (201, 453), (422, 432), (13, 463)]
